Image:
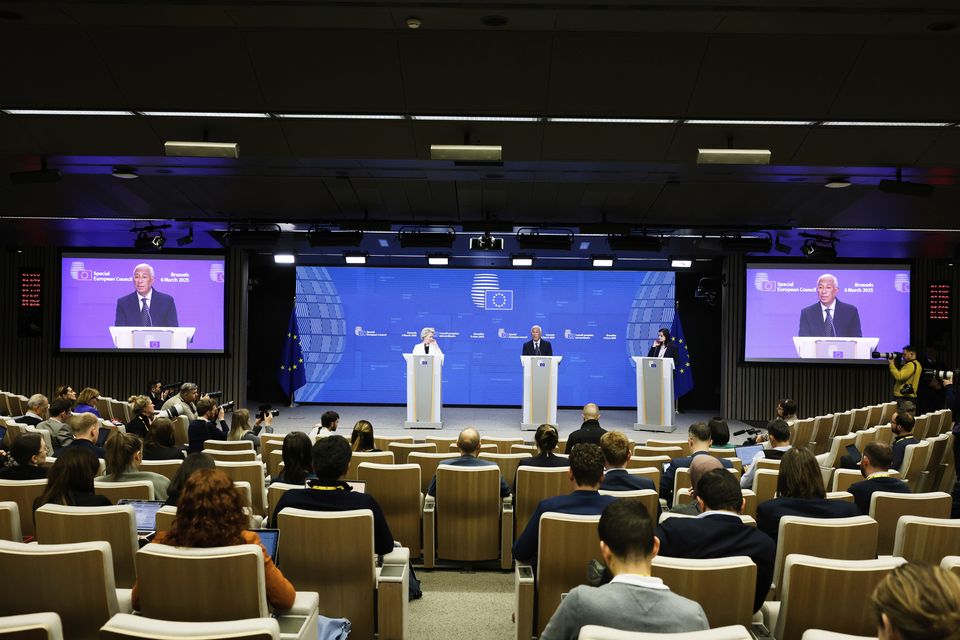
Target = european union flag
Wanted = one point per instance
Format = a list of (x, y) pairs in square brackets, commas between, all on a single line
[(683, 372), (293, 374), (498, 300)]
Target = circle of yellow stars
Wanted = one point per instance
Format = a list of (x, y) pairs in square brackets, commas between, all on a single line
[(294, 366)]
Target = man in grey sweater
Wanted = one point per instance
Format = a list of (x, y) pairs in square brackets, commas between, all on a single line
[(633, 600)]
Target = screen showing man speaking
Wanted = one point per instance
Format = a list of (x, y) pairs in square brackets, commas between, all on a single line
[(826, 313), (164, 303), (356, 324)]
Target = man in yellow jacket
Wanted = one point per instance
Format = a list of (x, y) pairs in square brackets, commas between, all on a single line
[(906, 379)]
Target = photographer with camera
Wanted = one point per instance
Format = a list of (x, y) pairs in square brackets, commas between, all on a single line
[(209, 426), (182, 404), (907, 376)]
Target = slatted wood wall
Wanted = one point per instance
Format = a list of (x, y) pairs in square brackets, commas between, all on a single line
[(35, 365), (750, 391)]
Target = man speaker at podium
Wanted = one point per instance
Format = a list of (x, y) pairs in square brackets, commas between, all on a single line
[(537, 346), (146, 307), (663, 346), (829, 318)]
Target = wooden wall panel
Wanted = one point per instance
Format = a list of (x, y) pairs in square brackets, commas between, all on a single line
[(35, 365)]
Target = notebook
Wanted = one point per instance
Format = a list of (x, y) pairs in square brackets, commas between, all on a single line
[(748, 453), (270, 538), (145, 512)]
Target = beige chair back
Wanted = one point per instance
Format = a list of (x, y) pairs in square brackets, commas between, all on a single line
[(951, 563), (561, 446), (221, 455), (922, 425), (181, 431), (213, 572), (853, 538), (503, 444), (165, 517), (428, 465), (105, 408), (484, 448), (838, 449), (347, 552), (567, 544), (718, 452), (508, 463), (166, 468), (859, 421), (928, 540), (117, 525), (228, 445), (124, 626), (887, 508), (75, 579), (271, 452), (383, 442), (528, 449), (376, 457), (131, 490), (647, 497), (443, 442), (24, 493), (468, 513), (842, 425), (801, 433), (251, 472), (683, 444), (274, 492), (765, 484), (768, 463), (874, 413), (700, 580), (933, 471), (401, 450), (650, 473), (820, 439), (843, 479), (865, 437), (122, 411), (647, 451), (10, 522), (824, 593), (639, 462), (396, 488), (914, 462), (533, 485), (884, 434), (31, 626)]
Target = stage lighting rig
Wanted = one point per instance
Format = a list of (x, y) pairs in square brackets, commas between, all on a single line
[(150, 237), (486, 242), (817, 247)]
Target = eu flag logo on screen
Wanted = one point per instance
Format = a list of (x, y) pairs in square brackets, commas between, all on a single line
[(498, 300)]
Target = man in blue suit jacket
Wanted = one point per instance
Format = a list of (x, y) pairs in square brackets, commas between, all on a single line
[(719, 532), (616, 452), (146, 307), (875, 467), (829, 317)]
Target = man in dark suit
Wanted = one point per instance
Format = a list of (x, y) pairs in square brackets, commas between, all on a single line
[(85, 428), (663, 346), (829, 317), (699, 437), (36, 413), (209, 426), (535, 346), (146, 307), (902, 426), (875, 467), (616, 452), (590, 431), (719, 532)]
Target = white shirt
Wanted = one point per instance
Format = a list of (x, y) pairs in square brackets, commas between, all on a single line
[(640, 581), (420, 350), (833, 312), (663, 350)]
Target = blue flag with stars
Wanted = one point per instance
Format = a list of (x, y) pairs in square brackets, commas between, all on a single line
[(683, 373), (293, 374)]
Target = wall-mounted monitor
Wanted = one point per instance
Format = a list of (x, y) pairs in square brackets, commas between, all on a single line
[(819, 313), (140, 303)]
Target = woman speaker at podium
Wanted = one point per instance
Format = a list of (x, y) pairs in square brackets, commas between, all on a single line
[(428, 344), (663, 346)]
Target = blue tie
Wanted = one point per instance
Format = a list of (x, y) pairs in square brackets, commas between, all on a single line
[(829, 330), (145, 319)]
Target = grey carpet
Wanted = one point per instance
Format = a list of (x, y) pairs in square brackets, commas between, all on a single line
[(457, 604)]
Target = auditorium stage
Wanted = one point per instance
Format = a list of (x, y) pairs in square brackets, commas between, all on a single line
[(495, 422)]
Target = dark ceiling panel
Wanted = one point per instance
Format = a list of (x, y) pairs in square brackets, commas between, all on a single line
[(434, 18), (842, 21), (944, 151), (15, 138), (646, 21), (865, 146), (606, 142), (139, 14), (272, 15), (495, 72), (623, 74), (350, 139), (92, 135)]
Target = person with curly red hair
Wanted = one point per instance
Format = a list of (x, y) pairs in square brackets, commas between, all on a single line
[(210, 514)]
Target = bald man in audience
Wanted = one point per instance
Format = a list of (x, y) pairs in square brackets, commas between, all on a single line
[(699, 467), (875, 467), (469, 445), (590, 431), (36, 410)]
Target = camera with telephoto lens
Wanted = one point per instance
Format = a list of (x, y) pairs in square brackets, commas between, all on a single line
[(216, 395), (267, 410), (885, 354), (173, 386), (172, 413), (228, 406)]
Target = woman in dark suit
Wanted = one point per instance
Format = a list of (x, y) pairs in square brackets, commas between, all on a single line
[(546, 439), (663, 346), (29, 452)]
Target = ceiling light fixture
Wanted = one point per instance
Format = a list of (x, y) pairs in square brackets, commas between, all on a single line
[(413, 23), (733, 156), (187, 239), (865, 123), (819, 248), (467, 152), (761, 123), (190, 149), (340, 116), (284, 258), (355, 257), (66, 112), (150, 237), (781, 247), (125, 173), (203, 114), (438, 260), (681, 263), (837, 182), (614, 120), (450, 118), (602, 262), (521, 260)]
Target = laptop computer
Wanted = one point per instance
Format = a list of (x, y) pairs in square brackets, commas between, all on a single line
[(102, 437), (3, 433), (145, 512), (270, 539), (748, 452)]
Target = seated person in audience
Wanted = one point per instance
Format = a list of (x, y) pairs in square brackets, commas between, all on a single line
[(329, 421), (329, 492), (585, 475), (55, 425), (616, 453), (718, 532), (70, 481), (210, 514), (156, 393), (778, 435), (589, 431), (194, 462), (297, 455), (184, 402), (800, 492), (124, 455), (917, 602), (209, 426), (468, 442), (87, 401), (29, 452), (85, 428), (361, 439), (240, 428), (143, 410), (36, 413), (699, 437), (546, 440), (875, 467), (160, 443), (699, 467), (633, 600), (720, 433), (902, 426), (66, 392), (786, 411)]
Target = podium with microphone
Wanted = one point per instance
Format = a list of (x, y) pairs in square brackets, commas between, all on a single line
[(655, 401)]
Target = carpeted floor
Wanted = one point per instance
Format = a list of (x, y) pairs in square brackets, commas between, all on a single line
[(463, 604)]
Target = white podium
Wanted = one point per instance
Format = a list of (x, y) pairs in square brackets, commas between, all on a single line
[(654, 394), (835, 348), (423, 391), (152, 337), (539, 391)]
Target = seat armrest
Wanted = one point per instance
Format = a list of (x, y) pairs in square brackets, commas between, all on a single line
[(399, 555), (393, 590), (429, 501), (429, 533), (124, 601), (506, 534), (306, 603), (507, 500), (523, 578)]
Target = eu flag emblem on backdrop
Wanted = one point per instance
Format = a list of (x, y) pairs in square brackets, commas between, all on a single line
[(292, 373), (498, 300), (683, 372)]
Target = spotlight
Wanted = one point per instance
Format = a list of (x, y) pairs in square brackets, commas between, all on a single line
[(602, 262), (125, 173), (733, 156), (355, 257), (426, 237), (187, 239), (559, 239), (814, 250), (486, 242), (707, 291), (782, 248), (284, 258), (438, 260), (837, 183), (681, 263), (150, 238), (324, 237), (520, 260)]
